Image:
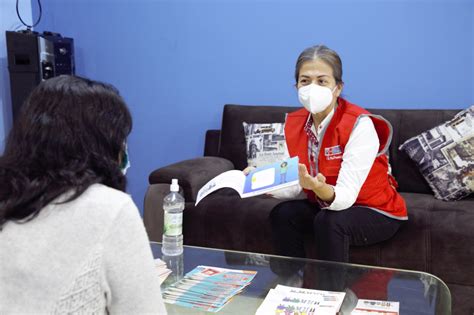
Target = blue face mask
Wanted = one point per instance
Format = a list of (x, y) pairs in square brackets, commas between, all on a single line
[(125, 165)]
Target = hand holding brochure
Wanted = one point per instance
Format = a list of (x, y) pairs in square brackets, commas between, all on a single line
[(259, 181)]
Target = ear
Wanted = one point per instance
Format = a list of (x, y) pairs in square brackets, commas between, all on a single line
[(340, 86)]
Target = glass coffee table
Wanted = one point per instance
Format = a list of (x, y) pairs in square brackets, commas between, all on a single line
[(417, 292)]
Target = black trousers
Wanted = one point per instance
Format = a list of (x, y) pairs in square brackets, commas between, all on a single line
[(334, 231)]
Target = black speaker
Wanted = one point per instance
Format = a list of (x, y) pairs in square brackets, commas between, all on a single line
[(33, 57)]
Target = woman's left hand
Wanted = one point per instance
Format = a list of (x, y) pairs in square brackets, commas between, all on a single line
[(309, 182)]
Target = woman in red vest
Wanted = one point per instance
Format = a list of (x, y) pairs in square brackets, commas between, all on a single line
[(351, 198)]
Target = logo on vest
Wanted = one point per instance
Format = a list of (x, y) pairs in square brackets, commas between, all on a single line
[(333, 153)]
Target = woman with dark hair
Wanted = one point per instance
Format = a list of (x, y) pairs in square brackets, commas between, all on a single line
[(350, 198), (71, 240)]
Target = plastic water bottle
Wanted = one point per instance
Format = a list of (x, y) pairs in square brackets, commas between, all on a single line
[(175, 264), (173, 205)]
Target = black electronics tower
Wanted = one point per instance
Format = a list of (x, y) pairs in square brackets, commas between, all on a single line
[(34, 57)]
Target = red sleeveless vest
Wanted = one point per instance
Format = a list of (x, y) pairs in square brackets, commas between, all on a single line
[(379, 189)]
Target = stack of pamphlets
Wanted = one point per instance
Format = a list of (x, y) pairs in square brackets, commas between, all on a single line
[(289, 300), (372, 307), (163, 270), (208, 288)]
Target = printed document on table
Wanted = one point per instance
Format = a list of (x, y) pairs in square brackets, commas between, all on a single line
[(290, 300), (373, 307)]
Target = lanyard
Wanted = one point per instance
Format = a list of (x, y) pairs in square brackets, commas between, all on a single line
[(312, 148), (313, 145)]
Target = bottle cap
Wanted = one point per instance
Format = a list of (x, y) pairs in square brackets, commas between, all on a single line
[(174, 185)]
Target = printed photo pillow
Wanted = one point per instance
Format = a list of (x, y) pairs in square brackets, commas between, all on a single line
[(445, 156), (265, 143)]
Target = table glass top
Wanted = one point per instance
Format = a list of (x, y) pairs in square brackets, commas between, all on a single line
[(417, 292)]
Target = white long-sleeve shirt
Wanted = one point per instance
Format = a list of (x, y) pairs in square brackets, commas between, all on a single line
[(357, 160), (87, 256)]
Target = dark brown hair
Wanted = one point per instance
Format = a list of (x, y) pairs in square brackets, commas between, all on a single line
[(69, 135)]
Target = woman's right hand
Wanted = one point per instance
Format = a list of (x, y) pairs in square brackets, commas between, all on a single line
[(309, 182), (248, 169)]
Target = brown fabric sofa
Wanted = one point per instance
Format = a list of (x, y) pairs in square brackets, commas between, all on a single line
[(438, 237)]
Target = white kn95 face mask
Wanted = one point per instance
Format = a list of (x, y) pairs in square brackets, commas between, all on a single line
[(315, 98)]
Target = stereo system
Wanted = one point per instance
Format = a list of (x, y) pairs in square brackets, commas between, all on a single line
[(34, 57)]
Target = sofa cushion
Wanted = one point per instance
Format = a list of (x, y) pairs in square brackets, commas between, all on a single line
[(232, 143), (462, 301), (437, 238), (452, 240), (408, 123), (445, 156), (265, 143)]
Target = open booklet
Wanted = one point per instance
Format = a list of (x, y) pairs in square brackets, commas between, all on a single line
[(259, 181)]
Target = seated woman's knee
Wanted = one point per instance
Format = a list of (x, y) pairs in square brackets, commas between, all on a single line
[(282, 212), (328, 219)]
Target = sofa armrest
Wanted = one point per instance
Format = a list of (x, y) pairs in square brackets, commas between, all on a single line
[(153, 210), (191, 174)]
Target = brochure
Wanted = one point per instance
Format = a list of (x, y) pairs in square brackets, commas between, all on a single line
[(163, 270), (290, 300), (373, 307), (208, 288), (259, 181)]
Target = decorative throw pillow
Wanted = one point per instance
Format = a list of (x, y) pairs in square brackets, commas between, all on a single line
[(265, 143), (445, 156)]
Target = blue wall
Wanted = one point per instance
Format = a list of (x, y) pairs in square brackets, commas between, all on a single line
[(177, 62), (8, 22)]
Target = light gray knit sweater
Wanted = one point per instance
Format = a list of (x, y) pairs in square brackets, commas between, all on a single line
[(90, 255)]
